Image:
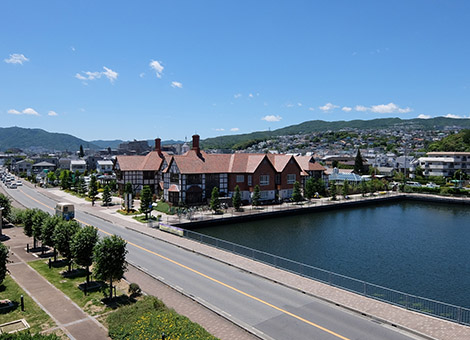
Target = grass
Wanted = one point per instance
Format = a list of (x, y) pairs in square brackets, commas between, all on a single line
[(142, 219), (93, 303), (163, 207), (149, 318), (130, 213), (33, 314)]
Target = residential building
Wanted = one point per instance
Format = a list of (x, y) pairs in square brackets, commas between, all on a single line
[(78, 165), (445, 163), (24, 166), (104, 166), (41, 166)]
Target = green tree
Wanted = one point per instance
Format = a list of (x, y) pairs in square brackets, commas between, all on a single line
[(51, 177), (93, 190), (255, 200), (358, 163), (28, 221), (65, 179), (237, 198), (63, 235), (83, 243), (363, 188), (215, 202), (109, 257), (335, 163), (146, 201), (3, 261), (47, 232), (81, 186), (106, 196), (333, 191), (38, 219), (310, 188), (296, 194), (81, 153), (345, 188), (75, 181), (129, 194), (5, 203)]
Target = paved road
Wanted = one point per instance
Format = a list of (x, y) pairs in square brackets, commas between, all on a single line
[(270, 310)]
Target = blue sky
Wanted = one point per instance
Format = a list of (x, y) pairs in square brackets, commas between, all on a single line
[(169, 69)]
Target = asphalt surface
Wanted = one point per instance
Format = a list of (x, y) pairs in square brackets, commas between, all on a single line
[(270, 310)]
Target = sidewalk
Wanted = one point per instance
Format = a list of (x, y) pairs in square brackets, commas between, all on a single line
[(67, 315), (417, 323)]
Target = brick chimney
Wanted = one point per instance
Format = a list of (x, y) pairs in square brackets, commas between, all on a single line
[(158, 145), (196, 143)]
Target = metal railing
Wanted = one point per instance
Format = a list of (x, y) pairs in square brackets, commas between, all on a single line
[(412, 302)]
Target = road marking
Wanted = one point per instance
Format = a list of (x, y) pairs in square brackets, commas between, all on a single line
[(216, 281)]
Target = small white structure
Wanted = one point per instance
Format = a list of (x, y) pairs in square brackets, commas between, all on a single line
[(78, 165), (104, 166)]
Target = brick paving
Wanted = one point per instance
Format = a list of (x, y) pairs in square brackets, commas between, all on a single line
[(417, 323)]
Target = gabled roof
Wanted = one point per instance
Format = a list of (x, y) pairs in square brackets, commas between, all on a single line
[(44, 164), (307, 163), (150, 162)]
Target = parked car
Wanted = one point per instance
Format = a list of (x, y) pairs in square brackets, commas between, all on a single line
[(432, 185), (413, 184), (19, 183), (12, 185)]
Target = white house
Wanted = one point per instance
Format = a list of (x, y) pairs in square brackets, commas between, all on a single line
[(78, 165), (104, 166)]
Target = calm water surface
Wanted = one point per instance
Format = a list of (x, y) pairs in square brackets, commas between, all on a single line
[(417, 248)]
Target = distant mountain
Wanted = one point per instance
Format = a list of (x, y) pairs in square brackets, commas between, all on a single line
[(104, 144), (41, 140), (239, 141)]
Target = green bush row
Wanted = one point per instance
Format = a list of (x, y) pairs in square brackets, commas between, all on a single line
[(149, 318)]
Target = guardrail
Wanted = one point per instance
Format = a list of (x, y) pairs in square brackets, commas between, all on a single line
[(412, 302)]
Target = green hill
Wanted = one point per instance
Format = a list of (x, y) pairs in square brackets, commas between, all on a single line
[(22, 138), (239, 141), (459, 142)]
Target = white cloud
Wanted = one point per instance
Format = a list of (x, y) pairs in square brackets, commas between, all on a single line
[(237, 95), (250, 95), (220, 129), (27, 111), (346, 109), (421, 116), (360, 108), (234, 129), (88, 75), (72, 48), (30, 111), (299, 104), (16, 58), (52, 113), (328, 107), (157, 67), (142, 75), (176, 84), (311, 109), (450, 115), (110, 74), (389, 108), (271, 118), (290, 105)]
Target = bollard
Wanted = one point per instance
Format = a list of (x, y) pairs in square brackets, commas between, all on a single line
[(22, 303), (163, 336), (50, 263), (27, 247), (85, 288)]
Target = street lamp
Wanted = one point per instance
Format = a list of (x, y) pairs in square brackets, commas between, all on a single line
[(1, 222)]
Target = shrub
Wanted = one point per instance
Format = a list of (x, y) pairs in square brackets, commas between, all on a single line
[(150, 316), (134, 289), (16, 216)]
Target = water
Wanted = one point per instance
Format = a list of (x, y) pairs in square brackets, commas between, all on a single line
[(418, 248)]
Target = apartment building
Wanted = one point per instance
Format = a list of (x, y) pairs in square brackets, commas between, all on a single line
[(445, 163)]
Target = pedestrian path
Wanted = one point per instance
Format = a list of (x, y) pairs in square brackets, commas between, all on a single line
[(70, 318)]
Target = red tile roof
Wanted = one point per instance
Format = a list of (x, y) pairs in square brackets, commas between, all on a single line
[(307, 163), (150, 162)]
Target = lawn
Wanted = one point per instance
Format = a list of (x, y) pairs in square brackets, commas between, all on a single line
[(142, 219), (33, 314), (163, 207), (93, 302)]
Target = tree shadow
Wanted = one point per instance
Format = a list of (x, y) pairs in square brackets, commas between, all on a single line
[(93, 286), (79, 272), (118, 301), (59, 263)]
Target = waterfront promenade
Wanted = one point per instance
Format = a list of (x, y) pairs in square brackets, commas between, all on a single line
[(417, 323)]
